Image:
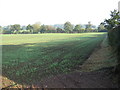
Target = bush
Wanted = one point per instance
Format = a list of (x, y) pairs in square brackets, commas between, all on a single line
[(114, 41), (6, 32)]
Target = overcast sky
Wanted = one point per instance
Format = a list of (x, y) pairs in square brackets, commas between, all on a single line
[(26, 12)]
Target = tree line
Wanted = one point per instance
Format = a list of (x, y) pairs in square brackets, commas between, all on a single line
[(38, 28)]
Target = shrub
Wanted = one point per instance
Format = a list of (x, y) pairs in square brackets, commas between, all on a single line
[(114, 41)]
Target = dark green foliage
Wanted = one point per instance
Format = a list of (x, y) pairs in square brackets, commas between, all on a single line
[(77, 28), (59, 30), (29, 27), (38, 28), (114, 41), (68, 27), (6, 32), (113, 21), (113, 27), (43, 29), (15, 27)]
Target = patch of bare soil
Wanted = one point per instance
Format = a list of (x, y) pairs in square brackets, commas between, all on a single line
[(79, 80), (6, 83)]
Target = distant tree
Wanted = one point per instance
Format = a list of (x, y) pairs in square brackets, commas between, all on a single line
[(1, 31), (82, 30), (68, 27), (88, 26), (24, 32), (50, 27), (101, 27), (59, 30), (42, 29), (12, 28), (36, 27), (6, 29), (77, 28), (15, 28), (30, 27)]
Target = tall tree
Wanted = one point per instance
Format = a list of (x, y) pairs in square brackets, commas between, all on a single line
[(101, 27), (43, 29), (68, 27), (59, 30), (50, 27), (77, 28), (88, 26), (1, 31), (15, 28), (36, 27), (30, 27)]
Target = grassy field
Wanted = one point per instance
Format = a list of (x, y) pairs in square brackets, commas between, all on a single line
[(29, 58)]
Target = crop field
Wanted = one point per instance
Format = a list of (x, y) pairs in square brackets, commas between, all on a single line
[(29, 58)]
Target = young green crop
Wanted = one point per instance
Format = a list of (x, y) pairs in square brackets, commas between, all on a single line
[(32, 57)]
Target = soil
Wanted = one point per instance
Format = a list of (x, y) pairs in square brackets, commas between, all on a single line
[(89, 75), (86, 77), (79, 80), (6, 83)]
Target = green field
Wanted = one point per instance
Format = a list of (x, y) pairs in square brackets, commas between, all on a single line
[(29, 58)]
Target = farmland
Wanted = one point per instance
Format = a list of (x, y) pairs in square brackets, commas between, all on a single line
[(30, 58)]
